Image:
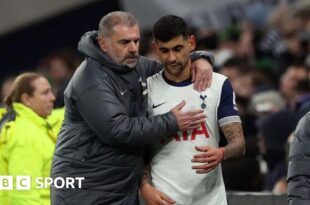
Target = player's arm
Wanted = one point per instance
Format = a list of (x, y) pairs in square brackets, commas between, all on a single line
[(149, 193), (230, 123), (213, 156), (236, 144), (146, 176)]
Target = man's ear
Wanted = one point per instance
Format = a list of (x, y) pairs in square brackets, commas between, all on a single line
[(155, 46), (102, 42), (25, 99), (192, 42)]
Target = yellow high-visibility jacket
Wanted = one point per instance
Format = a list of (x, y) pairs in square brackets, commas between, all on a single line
[(56, 119), (26, 149), (2, 112)]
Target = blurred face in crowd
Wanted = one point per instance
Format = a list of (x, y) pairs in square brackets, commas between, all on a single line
[(58, 69), (243, 86), (232, 73), (245, 46), (123, 45), (41, 101), (175, 56), (6, 87), (290, 79)]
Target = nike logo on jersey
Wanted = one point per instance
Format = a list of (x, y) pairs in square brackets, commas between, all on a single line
[(123, 92), (155, 106)]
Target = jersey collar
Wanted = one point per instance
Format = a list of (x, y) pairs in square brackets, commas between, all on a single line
[(176, 84)]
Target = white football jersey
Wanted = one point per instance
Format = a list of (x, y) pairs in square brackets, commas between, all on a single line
[(171, 159)]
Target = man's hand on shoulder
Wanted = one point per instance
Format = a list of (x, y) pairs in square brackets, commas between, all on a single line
[(201, 70)]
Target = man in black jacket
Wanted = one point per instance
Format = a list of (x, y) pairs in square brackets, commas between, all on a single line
[(298, 176), (106, 124)]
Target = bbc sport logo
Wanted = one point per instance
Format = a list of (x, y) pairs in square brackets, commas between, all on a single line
[(24, 182)]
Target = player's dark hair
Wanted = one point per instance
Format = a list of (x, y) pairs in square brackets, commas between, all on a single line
[(168, 27)]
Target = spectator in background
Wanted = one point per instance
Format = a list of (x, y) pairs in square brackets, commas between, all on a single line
[(279, 23), (59, 67), (56, 118), (289, 81), (302, 105), (228, 44), (239, 74), (303, 101), (302, 14), (275, 129), (27, 141), (287, 40), (5, 89), (294, 86), (146, 48), (246, 48), (2, 112)]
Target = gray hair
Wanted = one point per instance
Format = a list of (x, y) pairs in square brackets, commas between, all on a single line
[(115, 18)]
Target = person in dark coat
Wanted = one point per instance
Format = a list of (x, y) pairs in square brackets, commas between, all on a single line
[(298, 176)]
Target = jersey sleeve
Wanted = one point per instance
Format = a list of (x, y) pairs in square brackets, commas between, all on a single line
[(227, 111)]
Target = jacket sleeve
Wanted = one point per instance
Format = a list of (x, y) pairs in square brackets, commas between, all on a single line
[(107, 117), (153, 66), (298, 176), (203, 54)]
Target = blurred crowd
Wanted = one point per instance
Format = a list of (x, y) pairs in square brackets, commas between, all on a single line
[(267, 62)]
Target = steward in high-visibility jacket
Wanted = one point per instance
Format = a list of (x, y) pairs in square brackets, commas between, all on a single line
[(56, 119), (2, 112), (26, 149)]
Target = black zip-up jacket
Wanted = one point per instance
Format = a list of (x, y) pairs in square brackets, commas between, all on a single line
[(298, 176), (105, 129)]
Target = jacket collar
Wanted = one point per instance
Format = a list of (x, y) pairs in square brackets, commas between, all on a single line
[(24, 111)]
